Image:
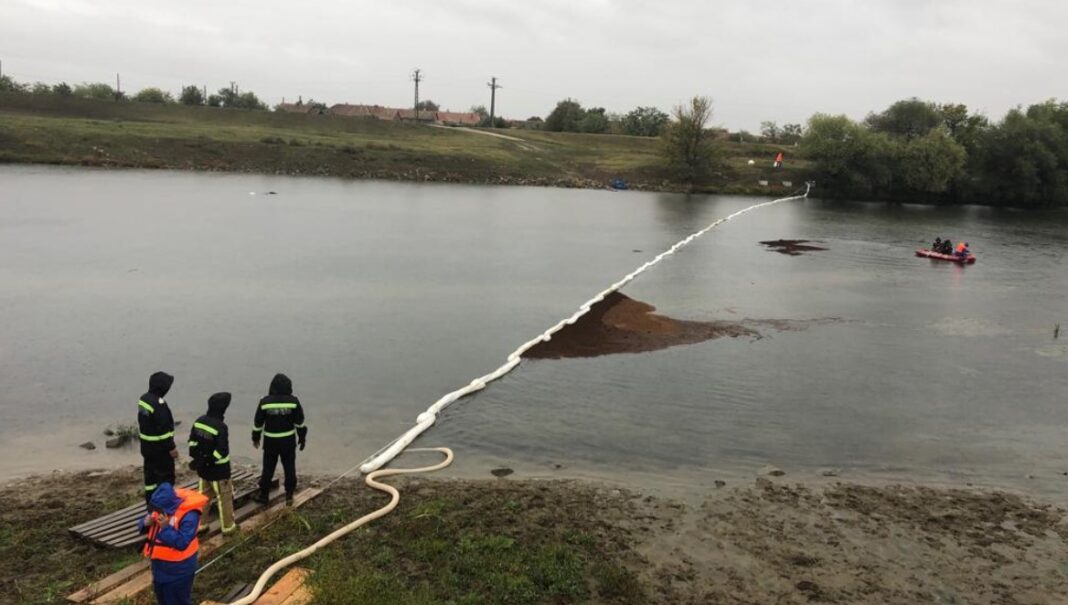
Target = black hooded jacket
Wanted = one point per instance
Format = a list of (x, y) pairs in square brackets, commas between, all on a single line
[(154, 421), (279, 416), (209, 440)]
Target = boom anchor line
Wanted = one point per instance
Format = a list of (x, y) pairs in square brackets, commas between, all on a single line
[(371, 466)]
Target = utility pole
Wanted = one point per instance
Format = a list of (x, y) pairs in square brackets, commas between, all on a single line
[(118, 88), (493, 99), (417, 77)]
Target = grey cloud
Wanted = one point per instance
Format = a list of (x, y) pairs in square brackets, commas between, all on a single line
[(758, 60)]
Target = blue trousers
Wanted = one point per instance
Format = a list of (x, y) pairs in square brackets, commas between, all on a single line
[(173, 582), (178, 592)]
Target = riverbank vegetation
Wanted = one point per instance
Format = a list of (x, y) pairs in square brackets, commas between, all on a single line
[(921, 151), (914, 150), (569, 542), (57, 129)]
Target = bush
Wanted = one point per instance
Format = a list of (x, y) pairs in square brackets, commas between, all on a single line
[(95, 90), (191, 95), (687, 143), (153, 95)]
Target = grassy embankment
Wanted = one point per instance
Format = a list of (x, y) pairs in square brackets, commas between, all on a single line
[(462, 543), (54, 130), (522, 542)]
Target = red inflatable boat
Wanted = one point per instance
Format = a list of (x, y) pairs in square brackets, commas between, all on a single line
[(953, 258)]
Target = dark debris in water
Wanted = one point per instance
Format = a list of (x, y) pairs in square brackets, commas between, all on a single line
[(620, 324), (793, 247)]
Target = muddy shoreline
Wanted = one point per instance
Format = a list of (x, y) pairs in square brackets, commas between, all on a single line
[(769, 540)]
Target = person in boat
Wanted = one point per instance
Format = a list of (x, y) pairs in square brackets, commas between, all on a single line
[(962, 250), (937, 245), (947, 247)]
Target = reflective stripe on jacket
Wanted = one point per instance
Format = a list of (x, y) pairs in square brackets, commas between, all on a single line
[(155, 425)]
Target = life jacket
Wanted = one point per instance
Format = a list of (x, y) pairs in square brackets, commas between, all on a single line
[(961, 247), (192, 501)]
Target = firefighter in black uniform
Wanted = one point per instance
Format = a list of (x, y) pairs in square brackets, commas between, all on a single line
[(280, 422), (156, 432), (209, 449)]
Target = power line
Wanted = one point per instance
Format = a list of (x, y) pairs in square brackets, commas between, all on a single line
[(417, 77), (493, 98)]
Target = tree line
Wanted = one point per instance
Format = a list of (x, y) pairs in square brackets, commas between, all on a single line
[(919, 150), (914, 150), (190, 95), (570, 116)]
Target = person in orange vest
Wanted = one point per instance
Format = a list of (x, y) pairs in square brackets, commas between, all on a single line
[(172, 543), (962, 250)]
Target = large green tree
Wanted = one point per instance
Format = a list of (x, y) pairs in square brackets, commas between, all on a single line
[(910, 118), (95, 90), (1023, 160), (7, 84), (644, 122), (930, 163), (594, 121), (191, 95), (687, 144), (153, 95), (229, 97), (565, 117), (848, 158)]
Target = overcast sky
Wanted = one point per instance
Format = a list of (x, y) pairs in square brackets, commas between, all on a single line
[(777, 60)]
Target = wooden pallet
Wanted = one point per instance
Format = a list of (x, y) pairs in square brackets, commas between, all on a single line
[(136, 578), (119, 529), (290, 590)]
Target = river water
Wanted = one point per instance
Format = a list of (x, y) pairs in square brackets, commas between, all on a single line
[(377, 298)]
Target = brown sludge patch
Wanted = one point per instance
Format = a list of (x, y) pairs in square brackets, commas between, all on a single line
[(620, 324), (793, 247)]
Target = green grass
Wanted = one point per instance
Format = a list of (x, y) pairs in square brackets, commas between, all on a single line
[(53, 130), (448, 545), (39, 562)]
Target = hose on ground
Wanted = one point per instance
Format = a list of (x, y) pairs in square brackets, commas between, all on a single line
[(372, 481)]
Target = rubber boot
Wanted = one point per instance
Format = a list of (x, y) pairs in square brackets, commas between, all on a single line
[(289, 499), (260, 497)]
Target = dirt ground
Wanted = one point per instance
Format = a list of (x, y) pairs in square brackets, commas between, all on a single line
[(769, 541)]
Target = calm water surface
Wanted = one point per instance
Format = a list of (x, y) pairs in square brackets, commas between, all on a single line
[(377, 298)]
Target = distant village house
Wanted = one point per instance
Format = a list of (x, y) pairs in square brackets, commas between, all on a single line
[(301, 107), (379, 112)]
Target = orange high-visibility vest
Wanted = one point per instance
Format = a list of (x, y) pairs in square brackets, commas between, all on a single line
[(960, 247), (192, 501)]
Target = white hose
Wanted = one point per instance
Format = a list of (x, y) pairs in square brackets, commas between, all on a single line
[(426, 419), (341, 531)]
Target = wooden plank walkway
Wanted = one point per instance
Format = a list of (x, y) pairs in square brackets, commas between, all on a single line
[(290, 590), (119, 529), (136, 578)]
